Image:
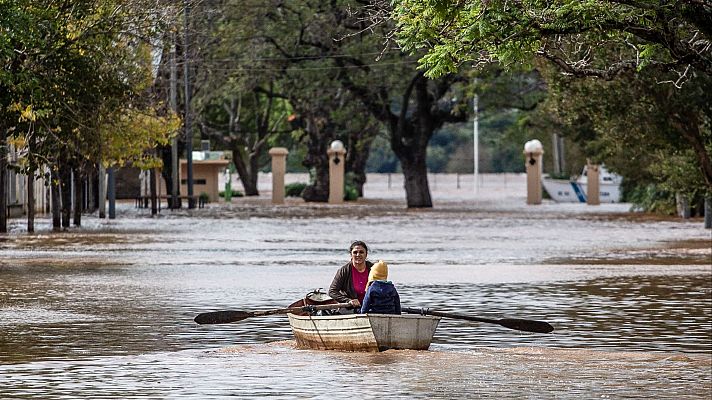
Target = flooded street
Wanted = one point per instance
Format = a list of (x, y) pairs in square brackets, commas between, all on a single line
[(106, 311)]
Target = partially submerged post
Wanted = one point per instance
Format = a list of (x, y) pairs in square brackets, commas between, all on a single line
[(336, 154), (533, 151), (593, 187), (279, 168)]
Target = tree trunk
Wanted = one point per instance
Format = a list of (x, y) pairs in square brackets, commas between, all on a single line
[(249, 182), (78, 197), (31, 200), (317, 160), (359, 148), (56, 214), (91, 193), (65, 181), (153, 174), (415, 173), (255, 168), (167, 174), (3, 180), (688, 126)]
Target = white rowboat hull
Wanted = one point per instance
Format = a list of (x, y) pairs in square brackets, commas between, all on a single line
[(364, 332)]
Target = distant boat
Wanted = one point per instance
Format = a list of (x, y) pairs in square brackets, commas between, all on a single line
[(574, 191)]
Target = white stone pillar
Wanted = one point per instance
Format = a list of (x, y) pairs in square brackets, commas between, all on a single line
[(279, 168), (593, 186), (534, 151), (337, 161)]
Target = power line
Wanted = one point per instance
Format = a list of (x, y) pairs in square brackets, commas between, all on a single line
[(291, 68)]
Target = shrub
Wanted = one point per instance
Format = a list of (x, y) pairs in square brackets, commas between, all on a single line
[(350, 193), (235, 193), (294, 189)]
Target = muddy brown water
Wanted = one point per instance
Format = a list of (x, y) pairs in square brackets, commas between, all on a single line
[(106, 311)]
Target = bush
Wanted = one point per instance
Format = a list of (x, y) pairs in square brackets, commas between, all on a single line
[(350, 193), (650, 198), (294, 189), (235, 193)]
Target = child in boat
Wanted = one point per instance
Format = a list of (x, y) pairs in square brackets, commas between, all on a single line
[(381, 296)]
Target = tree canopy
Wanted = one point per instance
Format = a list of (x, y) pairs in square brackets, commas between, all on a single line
[(575, 35), (643, 42)]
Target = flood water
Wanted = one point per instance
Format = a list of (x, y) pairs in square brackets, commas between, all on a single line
[(106, 311)]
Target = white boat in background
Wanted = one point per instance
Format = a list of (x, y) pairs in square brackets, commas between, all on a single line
[(574, 191)]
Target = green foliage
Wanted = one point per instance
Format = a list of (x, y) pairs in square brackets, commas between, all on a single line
[(294, 189), (678, 173), (651, 198), (382, 159), (69, 71), (235, 193), (513, 32), (350, 193), (128, 136)]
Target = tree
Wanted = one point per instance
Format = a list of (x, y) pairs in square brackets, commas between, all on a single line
[(603, 39), (410, 106), (637, 126), (238, 97), (303, 41), (664, 35), (68, 68)]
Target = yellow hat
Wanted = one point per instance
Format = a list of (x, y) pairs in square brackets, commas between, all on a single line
[(379, 272)]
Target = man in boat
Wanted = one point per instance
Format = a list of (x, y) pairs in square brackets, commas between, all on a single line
[(381, 295), (349, 284)]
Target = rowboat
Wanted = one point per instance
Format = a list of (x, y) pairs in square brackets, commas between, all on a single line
[(363, 332)]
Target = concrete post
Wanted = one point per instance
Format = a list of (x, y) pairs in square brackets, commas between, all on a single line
[(593, 186), (683, 206), (279, 168), (337, 161), (102, 191), (534, 154)]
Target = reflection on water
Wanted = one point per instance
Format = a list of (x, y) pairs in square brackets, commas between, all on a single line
[(107, 312)]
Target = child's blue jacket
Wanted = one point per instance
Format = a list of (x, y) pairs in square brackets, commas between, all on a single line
[(381, 298)]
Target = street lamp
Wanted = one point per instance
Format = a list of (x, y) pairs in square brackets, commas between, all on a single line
[(337, 146)]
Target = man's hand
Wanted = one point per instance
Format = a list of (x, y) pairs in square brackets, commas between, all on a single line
[(355, 303)]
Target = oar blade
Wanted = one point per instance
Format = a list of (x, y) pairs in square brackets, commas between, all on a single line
[(526, 325), (222, 317)]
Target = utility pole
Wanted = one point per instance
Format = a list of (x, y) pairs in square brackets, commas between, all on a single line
[(174, 107), (188, 136)]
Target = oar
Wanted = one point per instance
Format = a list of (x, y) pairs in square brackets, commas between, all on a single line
[(511, 323), (225, 317)]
